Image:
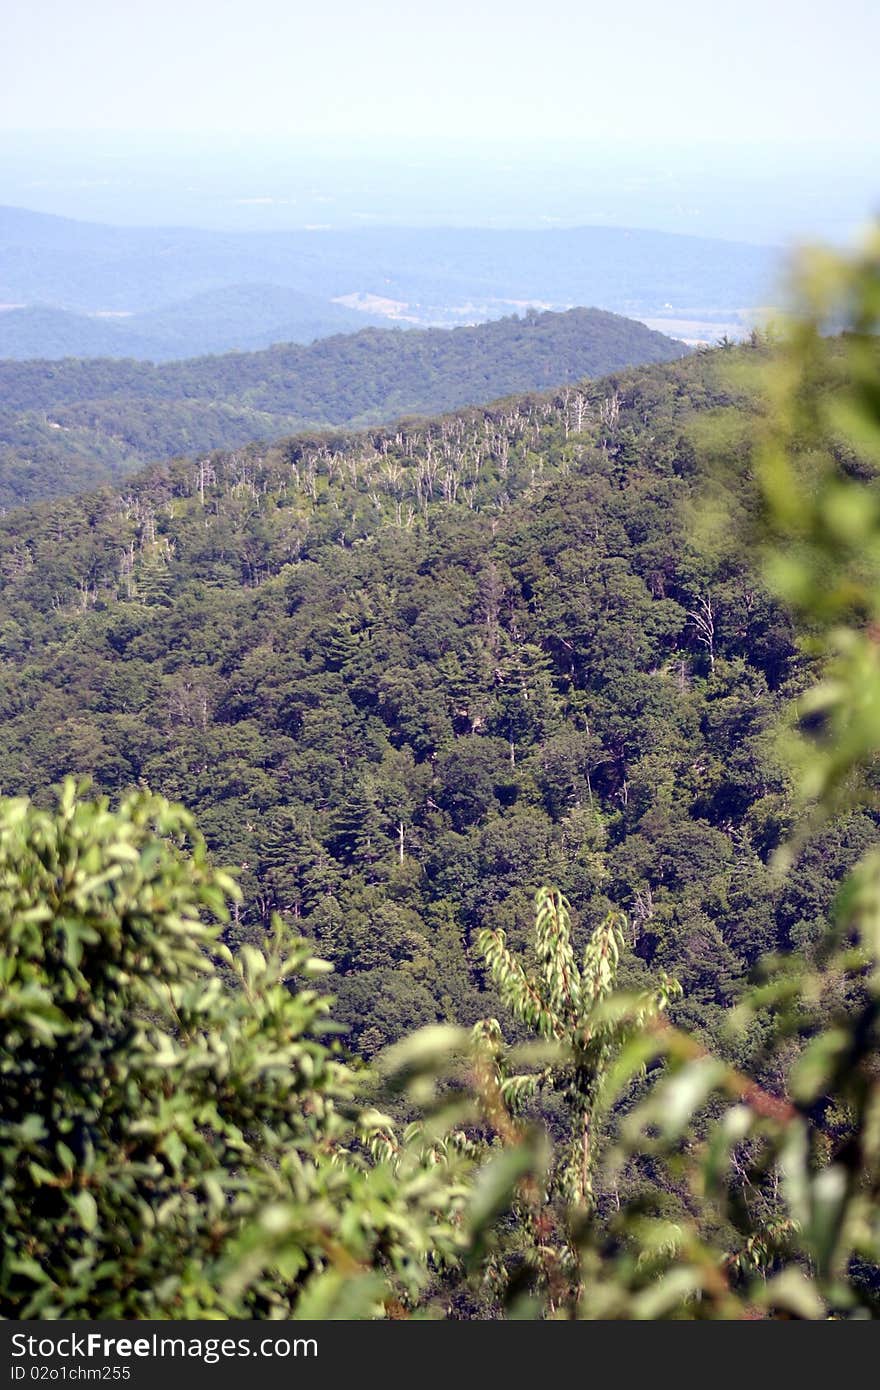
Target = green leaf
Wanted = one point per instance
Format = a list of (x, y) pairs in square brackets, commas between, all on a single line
[(428, 1050), (86, 1209), (337, 1296), (812, 1070), (793, 1292), (828, 1192), (41, 1176)]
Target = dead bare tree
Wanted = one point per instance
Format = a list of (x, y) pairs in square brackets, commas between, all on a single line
[(702, 619)]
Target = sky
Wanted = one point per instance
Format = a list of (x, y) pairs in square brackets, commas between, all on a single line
[(785, 71), (758, 120)]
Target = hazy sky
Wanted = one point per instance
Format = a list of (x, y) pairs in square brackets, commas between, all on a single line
[(676, 70)]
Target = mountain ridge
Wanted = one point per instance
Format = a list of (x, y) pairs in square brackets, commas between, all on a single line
[(405, 676), (68, 425), (236, 318), (443, 275)]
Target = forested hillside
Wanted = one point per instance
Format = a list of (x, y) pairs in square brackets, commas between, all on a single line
[(404, 677), (69, 425)]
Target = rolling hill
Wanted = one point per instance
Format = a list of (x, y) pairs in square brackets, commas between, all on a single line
[(405, 676), (238, 317), (433, 275), (69, 425)]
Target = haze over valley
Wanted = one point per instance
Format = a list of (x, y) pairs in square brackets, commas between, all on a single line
[(73, 288)]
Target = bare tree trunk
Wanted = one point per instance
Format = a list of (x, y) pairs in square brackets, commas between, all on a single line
[(702, 618)]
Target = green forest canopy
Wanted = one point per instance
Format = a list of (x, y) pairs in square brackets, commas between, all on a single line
[(402, 678), (744, 1180), (72, 425), (740, 1155)]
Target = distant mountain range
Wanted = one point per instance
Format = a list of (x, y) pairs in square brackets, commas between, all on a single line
[(242, 317), (66, 426), (167, 293)]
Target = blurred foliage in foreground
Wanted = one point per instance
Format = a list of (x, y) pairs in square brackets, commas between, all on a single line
[(768, 1182), (180, 1136), (174, 1137)]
